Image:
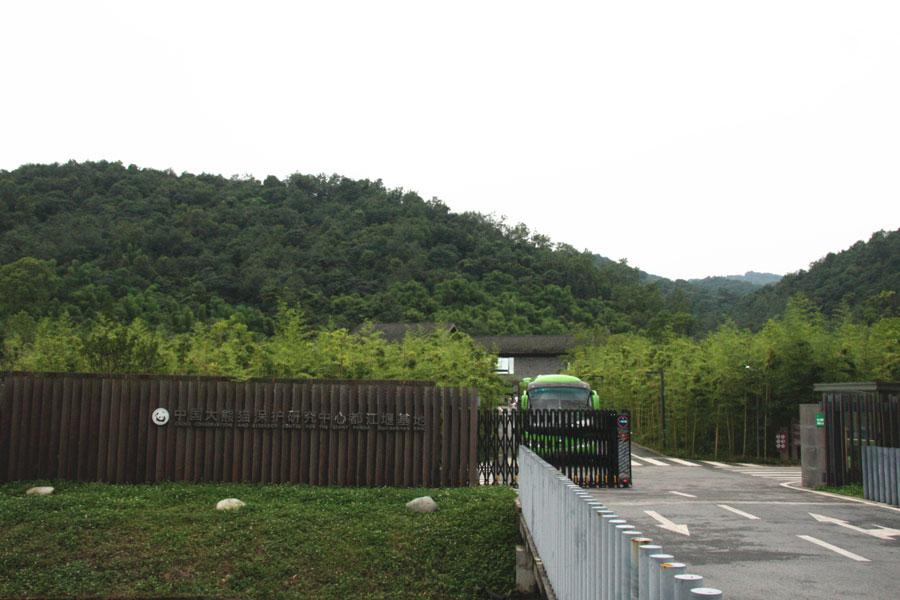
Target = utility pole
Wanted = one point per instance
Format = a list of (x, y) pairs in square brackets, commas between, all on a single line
[(662, 404)]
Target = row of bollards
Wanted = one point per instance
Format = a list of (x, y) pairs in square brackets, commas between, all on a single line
[(590, 553)]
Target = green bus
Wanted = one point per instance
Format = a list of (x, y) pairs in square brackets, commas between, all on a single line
[(564, 392)]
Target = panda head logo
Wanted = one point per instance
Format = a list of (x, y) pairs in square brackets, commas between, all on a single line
[(160, 416)]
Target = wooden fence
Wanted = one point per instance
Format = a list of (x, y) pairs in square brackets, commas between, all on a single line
[(354, 433)]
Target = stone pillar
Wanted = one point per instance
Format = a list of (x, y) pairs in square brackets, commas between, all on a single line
[(813, 453)]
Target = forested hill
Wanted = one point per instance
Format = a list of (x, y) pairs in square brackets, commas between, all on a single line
[(864, 279), (101, 238)]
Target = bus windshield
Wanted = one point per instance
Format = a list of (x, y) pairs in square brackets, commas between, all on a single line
[(570, 398)]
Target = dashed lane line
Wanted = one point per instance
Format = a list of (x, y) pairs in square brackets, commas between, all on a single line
[(680, 461), (834, 548), (716, 464), (652, 461), (682, 494), (746, 515)]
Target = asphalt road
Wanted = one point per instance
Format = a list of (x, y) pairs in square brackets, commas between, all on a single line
[(744, 527)]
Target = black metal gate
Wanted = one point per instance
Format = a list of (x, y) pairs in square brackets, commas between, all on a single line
[(591, 447)]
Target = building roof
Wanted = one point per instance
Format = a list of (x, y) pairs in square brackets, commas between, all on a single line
[(394, 332), (528, 345)]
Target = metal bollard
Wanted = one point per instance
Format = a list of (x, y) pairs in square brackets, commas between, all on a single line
[(617, 558), (644, 568), (605, 518), (635, 557), (653, 576), (609, 566), (625, 562), (706, 593), (667, 573), (685, 583), (612, 557)]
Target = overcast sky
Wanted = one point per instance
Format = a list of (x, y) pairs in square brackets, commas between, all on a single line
[(690, 138)]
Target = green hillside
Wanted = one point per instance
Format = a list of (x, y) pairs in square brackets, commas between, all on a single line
[(864, 280), (102, 238)]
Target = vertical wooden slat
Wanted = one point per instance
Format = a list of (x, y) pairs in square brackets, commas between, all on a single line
[(350, 436), (407, 433), (418, 411), (454, 436), (141, 429), (397, 435), (237, 461), (445, 436), (257, 405), (295, 434), (355, 473), (24, 428), (304, 433), (42, 429), (314, 407), (209, 430), (473, 436), (56, 466), (326, 437), (380, 439), (180, 391), (103, 427), (124, 405), (249, 404), (342, 434), (222, 450), (72, 445), (92, 433), (274, 454), (153, 403), (429, 436), (284, 463), (200, 432), (165, 436), (9, 410), (463, 440), (371, 444)]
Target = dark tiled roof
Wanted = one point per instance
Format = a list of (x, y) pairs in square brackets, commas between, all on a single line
[(528, 345), (394, 332)]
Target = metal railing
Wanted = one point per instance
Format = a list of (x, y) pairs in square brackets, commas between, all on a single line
[(587, 551), (881, 474)]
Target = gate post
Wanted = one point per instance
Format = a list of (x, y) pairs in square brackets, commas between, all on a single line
[(813, 451)]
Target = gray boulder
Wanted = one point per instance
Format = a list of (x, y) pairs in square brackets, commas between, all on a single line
[(45, 490), (423, 504)]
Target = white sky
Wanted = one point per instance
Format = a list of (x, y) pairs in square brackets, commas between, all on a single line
[(692, 138)]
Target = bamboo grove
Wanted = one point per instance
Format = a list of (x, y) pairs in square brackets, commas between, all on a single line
[(727, 394)]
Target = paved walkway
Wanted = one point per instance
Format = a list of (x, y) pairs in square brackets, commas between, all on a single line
[(751, 534)]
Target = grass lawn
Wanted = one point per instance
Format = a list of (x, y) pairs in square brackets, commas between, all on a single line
[(92, 539), (853, 489)]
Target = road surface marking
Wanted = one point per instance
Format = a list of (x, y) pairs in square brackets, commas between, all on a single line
[(716, 464), (793, 485), (665, 523), (840, 551), (652, 461), (682, 494), (739, 512), (683, 462), (635, 463), (749, 465), (884, 533)]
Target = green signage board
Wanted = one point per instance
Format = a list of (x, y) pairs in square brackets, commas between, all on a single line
[(820, 419)]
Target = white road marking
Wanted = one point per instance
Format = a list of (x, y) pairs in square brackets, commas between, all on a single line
[(793, 485), (665, 523), (652, 461), (686, 463), (833, 548), (884, 533), (716, 464), (682, 494), (749, 465), (635, 463), (739, 512)]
